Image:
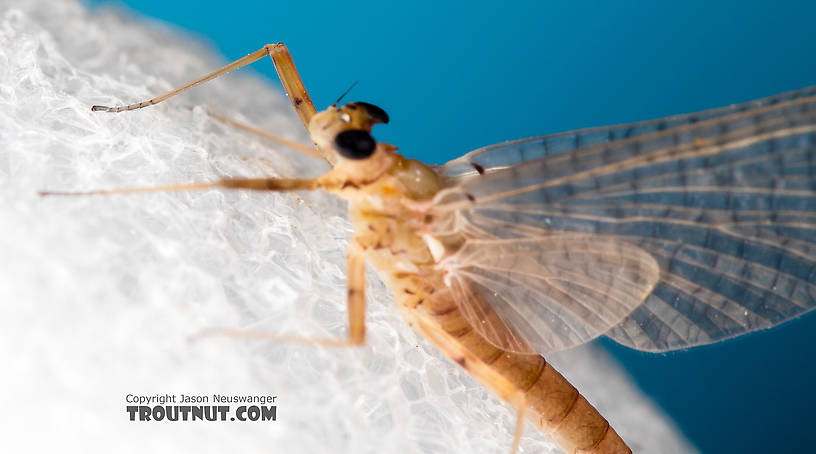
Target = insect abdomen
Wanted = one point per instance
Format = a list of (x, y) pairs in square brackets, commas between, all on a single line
[(569, 419), (552, 403)]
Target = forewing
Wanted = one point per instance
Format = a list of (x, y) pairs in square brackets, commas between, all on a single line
[(500, 156), (726, 207), (549, 293)]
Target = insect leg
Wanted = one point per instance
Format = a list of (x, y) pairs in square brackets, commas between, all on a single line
[(519, 402), (256, 184), (356, 293), (355, 257), (356, 312), (267, 135), (283, 64)]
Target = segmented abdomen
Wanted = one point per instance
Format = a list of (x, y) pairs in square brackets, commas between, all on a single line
[(552, 403)]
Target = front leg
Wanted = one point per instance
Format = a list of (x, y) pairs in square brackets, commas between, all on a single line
[(283, 64), (287, 73)]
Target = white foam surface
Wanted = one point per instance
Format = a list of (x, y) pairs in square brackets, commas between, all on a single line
[(98, 295)]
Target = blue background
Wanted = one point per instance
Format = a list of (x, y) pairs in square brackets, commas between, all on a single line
[(458, 75)]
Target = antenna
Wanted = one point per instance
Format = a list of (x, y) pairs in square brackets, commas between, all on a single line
[(345, 93)]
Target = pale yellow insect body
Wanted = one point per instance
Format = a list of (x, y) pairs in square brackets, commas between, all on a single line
[(662, 235), (394, 230)]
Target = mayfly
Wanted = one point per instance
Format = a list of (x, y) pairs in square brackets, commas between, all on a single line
[(661, 235)]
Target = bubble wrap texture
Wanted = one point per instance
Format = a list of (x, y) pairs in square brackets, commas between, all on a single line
[(100, 294)]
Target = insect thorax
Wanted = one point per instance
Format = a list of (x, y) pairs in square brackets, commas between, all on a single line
[(384, 226)]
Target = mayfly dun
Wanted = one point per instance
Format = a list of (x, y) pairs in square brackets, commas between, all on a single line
[(662, 235)]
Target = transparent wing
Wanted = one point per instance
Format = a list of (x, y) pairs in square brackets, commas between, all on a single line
[(503, 155), (725, 206), (581, 285)]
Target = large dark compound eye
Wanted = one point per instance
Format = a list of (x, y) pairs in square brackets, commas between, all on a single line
[(355, 144), (376, 114)]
